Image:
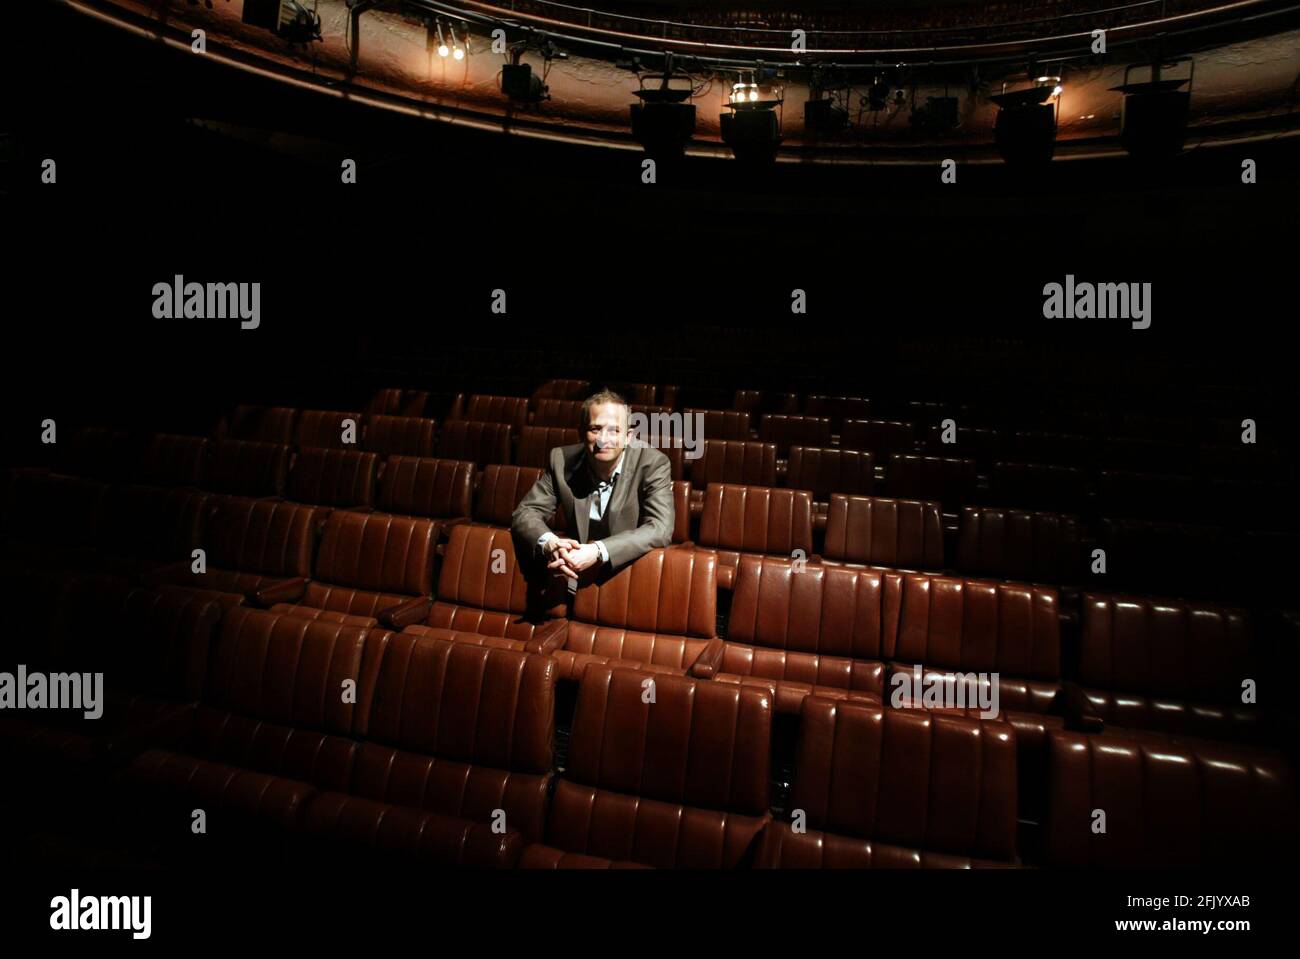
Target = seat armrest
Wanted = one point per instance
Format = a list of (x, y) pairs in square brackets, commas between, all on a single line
[(285, 591), (405, 614), (172, 573), (710, 658), (549, 637)]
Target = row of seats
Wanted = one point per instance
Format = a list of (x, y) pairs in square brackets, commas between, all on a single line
[(445, 752)]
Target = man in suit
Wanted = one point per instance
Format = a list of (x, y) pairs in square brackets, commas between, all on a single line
[(615, 493)]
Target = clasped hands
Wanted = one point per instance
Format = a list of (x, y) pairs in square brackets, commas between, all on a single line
[(568, 557)]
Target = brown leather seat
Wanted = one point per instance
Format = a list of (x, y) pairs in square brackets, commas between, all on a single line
[(500, 491), (251, 545), (386, 402), (875, 531), (510, 410), (1017, 544), (141, 528), (680, 781), (657, 614), (721, 424), (482, 590), (324, 429), (435, 489), (1040, 486), (637, 394), (1167, 803), (897, 789), (800, 631), (563, 390), (838, 409), (262, 424), (948, 480), (825, 472), (787, 431), (732, 461), (479, 442), (368, 563), (536, 443), (681, 512), (754, 519), (558, 414), (881, 437), (400, 435), (173, 460), (340, 478), (1168, 665), (248, 468)]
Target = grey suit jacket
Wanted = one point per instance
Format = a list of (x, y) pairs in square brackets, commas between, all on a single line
[(640, 511)]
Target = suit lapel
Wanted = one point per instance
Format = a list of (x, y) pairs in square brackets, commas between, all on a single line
[(623, 488), (580, 487)]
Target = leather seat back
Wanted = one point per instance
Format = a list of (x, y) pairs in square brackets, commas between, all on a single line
[(325, 429), (733, 461), (168, 641), (263, 424), (826, 472), (482, 589), (884, 532), (1041, 486), (147, 523), (720, 424), (500, 492), (680, 781), (248, 468), (681, 511), (559, 414), (421, 486), (910, 778), (1167, 803), (949, 480), (786, 431), (260, 536), (377, 552), (479, 442), (536, 443), (1017, 544), (402, 435), (881, 437), (757, 519), (511, 410), (563, 390), (343, 478), (972, 442), (837, 408)]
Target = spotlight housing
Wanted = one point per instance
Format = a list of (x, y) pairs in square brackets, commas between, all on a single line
[(663, 122), (1153, 115), (1025, 129), (752, 129), (520, 84)]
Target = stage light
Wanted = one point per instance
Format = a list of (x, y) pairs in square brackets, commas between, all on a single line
[(1025, 129), (1153, 116), (752, 128), (663, 122), (289, 19), (456, 52)]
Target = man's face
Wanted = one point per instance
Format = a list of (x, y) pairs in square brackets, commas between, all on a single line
[(606, 432)]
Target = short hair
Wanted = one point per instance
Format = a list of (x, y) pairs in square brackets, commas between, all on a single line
[(600, 399)]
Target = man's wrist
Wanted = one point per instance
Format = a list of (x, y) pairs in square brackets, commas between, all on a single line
[(604, 553), (545, 538)]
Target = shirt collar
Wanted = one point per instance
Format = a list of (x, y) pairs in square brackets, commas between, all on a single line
[(618, 468)]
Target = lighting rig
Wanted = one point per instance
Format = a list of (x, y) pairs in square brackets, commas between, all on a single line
[(1025, 129), (1153, 116), (753, 128), (518, 81), (663, 122)]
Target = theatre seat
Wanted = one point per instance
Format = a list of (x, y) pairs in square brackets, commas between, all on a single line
[(248, 468), (479, 442), (981, 444), (1169, 666), (825, 472), (500, 492), (731, 461), (720, 424), (881, 437), (261, 424), (1040, 486), (482, 589), (563, 390), (678, 779), (876, 531), (947, 479), (325, 429), (754, 519), (385, 402), (837, 408), (251, 545), (557, 414), (681, 512), (1021, 545), (658, 614), (435, 489), (368, 564), (787, 431), (536, 443), (1168, 804), (897, 789), (510, 410), (400, 435), (804, 630), (172, 460), (338, 478)]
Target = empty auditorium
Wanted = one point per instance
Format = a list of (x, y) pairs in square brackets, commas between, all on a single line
[(454, 448)]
